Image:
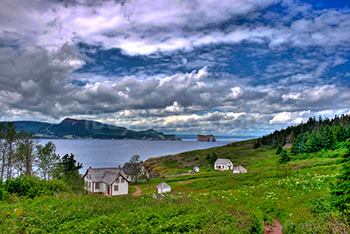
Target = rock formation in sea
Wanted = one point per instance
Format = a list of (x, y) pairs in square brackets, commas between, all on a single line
[(205, 138)]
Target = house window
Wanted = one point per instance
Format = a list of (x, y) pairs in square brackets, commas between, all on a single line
[(97, 185), (122, 180), (86, 184), (89, 184), (116, 187), (117, 180)]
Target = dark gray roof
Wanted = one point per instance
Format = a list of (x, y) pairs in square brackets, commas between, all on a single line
[(222, 161), (106, 175), (163, 185)]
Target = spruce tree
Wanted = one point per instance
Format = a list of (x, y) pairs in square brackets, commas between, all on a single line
[(279, 149), (284, 157), (341, 190)]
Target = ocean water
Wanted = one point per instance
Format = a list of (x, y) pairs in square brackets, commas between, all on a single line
[(112, 153)]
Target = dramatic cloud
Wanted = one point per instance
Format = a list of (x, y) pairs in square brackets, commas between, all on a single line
[(242, 67)]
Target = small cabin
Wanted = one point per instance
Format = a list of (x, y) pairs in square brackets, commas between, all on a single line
[(239, 170), (163, 188), (223, 164)]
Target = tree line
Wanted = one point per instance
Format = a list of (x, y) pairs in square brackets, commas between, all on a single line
[(20, 154), (311, 136)]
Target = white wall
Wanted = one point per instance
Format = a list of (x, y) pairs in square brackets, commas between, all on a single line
[(123, 188), (166, 190)]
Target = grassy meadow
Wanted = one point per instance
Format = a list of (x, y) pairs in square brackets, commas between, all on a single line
[(297, 194)]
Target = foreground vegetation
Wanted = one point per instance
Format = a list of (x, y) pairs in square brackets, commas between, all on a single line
[(307, 192)]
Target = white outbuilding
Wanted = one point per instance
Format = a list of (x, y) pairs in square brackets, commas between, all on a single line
[(239, 169), (196, 169), (223, 164), (163, 188)]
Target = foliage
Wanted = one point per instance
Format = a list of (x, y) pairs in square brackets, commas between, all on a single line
[(312, 136), (68, 170), (172, 214), (284, 157), (135, 163), (17, 219), (47, 159), (341, 190), (18, 155), (279, 149), (205, 202), (31, 186)]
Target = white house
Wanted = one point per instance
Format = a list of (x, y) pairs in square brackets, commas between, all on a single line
[(163, 188), (108, 181), (223, 164), (196, 169), (239, 169)]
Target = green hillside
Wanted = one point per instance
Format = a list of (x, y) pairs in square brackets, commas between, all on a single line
[(297, 193), (72, 128)]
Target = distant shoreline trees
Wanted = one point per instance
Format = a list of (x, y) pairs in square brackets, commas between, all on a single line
[(309, 137)]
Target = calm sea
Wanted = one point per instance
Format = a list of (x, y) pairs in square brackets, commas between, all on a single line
[(112, 153)]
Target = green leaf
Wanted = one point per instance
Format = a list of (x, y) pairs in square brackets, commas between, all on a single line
[(18, 211)]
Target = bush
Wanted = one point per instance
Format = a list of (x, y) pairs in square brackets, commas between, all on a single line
[(31, 186)]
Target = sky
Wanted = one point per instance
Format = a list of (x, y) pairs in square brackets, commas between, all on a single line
[(222, 67)]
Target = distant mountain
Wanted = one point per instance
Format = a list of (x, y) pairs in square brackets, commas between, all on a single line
[(73, 128)]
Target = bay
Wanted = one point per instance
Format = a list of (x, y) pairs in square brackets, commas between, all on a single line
[(112, 153)]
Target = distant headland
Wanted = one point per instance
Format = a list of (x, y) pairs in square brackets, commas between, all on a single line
[(86, 129)]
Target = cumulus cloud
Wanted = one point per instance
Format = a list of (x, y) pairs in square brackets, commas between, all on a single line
[(166, 25), (225, 67)]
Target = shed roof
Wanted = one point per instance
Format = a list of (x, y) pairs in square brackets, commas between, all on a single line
[(240, 168), (163, 185), (222, 161)]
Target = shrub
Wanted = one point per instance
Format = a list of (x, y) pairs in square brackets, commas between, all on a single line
[(31, 186)]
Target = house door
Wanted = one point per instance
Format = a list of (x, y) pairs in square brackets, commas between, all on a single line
[(229, 167), (108, 190)]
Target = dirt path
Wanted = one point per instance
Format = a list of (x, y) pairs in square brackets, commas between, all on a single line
[(275, 229), (137, 192)]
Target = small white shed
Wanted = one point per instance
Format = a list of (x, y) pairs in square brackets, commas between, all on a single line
[(239, 169), (163, 188), (196, 169)]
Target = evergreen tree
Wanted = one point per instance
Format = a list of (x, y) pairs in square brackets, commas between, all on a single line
[(284, 157), (341, 190), (279, 149), (68, 171), (214, 157)]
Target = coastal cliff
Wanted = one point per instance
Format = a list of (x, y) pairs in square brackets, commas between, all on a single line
[(205, 138)]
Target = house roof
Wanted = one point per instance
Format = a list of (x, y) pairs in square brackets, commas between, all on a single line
[(106, 175), (163, 185), (222, 161), (240, 167)]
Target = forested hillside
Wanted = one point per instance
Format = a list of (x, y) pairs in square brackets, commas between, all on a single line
[(311, 136), (73, 128)]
